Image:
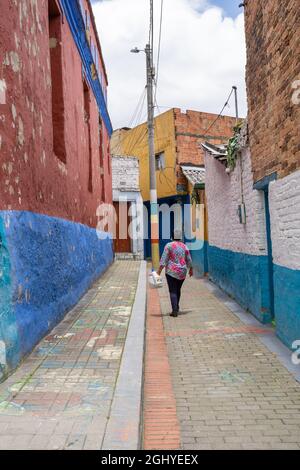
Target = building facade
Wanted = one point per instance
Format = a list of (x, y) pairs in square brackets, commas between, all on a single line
[(273, 85), (178, 154), (237, 254), (254, 224), (129, 209), (55, 166)]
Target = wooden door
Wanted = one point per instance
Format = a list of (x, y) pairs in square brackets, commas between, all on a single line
[(122, 242)]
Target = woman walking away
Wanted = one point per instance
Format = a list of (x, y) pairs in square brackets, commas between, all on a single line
[(177, 260)]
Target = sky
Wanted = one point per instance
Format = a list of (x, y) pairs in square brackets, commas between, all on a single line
[(202, 55)]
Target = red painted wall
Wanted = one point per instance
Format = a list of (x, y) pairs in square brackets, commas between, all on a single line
[(32, 177)]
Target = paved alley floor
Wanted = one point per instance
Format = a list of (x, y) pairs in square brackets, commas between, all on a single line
[(214, 384), (61, 396)]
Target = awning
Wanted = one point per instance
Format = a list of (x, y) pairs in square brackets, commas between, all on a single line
[(194, 174)]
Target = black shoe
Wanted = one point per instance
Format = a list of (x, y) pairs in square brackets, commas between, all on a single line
[(174, 314)]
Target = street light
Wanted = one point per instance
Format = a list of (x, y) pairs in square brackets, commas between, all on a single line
[(152, 169)]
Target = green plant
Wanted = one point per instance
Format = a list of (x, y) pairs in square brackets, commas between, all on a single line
[(233, 147), (195, 197)]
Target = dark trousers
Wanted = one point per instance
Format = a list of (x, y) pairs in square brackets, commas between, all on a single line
[(175, 286)]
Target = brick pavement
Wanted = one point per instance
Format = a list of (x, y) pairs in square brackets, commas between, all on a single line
[(231, 391), (161, 426), (61, 396)]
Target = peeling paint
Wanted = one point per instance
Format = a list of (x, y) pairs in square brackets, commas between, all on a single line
[(21, 138), (15, 61), (14, 112), (2, 357), (3, 88), (43, 158)]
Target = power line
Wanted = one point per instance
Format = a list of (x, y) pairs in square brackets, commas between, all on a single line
[(138, 120), (135, 118), (220, 114), (159, 47)]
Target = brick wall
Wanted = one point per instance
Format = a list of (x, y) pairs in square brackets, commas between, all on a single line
[(125, 173), (273, 66), (223, 193), (285, 209), (191, 127), (190, 130), (237, 253)]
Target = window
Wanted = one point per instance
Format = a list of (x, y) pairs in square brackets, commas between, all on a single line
[(87, 113), (56, 61), (160, 163)]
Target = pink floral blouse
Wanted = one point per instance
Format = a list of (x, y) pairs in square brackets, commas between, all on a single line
[(176, 259)]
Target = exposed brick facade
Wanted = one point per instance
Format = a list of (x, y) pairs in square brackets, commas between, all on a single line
[(191, 130), (273, 66)]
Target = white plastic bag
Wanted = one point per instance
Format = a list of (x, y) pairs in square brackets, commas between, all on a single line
[(155, 280)]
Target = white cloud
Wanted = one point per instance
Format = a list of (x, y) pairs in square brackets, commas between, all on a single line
[(202, 55)]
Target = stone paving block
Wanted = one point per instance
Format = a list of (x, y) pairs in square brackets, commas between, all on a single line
[(223, 372), (63, 391)]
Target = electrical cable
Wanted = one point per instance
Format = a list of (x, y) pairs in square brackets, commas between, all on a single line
[(219, 115), (159, 49)]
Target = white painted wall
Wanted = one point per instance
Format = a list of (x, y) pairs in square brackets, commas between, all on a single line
[(125, 173), (284, 196), (223, 194)]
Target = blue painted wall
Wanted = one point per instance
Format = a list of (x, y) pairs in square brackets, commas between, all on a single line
[(287, 304), (244, 277), (47, 264), (74, 17), (200, 260), (162, 241)]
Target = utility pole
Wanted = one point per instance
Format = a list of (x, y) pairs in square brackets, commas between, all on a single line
[(152, 166), (154, 221)]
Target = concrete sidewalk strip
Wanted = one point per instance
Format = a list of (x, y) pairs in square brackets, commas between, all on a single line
[(234, 385), (123, 430), (61, 396)]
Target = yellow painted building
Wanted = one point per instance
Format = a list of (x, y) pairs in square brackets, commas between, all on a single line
[(180, 171), (134, 142)]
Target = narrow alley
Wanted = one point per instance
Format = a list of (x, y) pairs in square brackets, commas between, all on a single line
[(149, 229), (211, 380), (220, 380)]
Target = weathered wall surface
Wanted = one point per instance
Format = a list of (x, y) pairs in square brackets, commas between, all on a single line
[(273, 82), (32, 176), (191, 130), (273, 67), (134, 142), (237, 253), (48, 265), (125, 173), (54, 167), (284, 198)]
